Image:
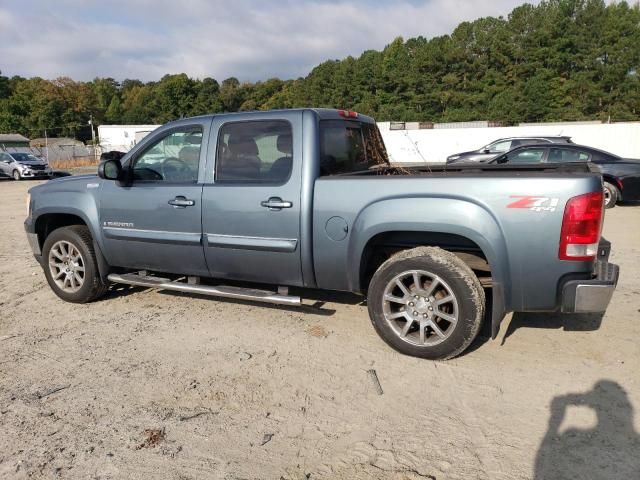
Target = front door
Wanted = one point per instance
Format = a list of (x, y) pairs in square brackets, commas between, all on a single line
[(154, 221), (251, 209)]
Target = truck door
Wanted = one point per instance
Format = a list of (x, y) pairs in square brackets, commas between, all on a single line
[(154, 221), (251, 204)]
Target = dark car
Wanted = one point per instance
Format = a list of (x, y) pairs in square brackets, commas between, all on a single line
[(621, 175), (502, 145), (19, 165)]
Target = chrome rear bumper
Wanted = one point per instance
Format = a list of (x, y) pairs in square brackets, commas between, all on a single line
[(591, 296)]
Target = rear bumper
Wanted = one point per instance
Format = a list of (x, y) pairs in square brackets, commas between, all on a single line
[(594, 295)]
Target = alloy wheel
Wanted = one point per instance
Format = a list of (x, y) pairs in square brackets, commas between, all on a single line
[(420, 307), (66, 266)]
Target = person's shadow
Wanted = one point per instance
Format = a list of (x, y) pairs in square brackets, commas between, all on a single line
[(610, 450)]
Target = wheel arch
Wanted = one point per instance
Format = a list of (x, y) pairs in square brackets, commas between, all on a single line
[(453, 224), (47, 222), (613, 180)]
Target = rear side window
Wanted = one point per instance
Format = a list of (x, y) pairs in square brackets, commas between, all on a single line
[(565, 155), (258, 151), (350, 146)]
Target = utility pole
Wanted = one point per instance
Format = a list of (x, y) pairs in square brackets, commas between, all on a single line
[(46, 144), (93, 138)]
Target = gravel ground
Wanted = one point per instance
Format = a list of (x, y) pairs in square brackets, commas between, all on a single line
[(146, 384)]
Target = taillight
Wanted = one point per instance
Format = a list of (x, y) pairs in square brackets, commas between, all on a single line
[(348, 114), (581, 227)]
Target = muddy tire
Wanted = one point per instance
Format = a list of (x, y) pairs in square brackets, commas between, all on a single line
[(70, 265), (611, 195), (426, 303)]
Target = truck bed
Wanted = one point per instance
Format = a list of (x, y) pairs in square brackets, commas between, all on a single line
[(443, 169)]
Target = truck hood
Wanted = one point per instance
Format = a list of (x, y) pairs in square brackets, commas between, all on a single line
[(75, 182)]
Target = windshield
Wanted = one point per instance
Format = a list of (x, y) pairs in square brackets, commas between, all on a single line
[(25, 157)]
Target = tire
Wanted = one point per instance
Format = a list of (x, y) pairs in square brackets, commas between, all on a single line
[(16, 175), (439, 319), (74, 239), (611, 195)]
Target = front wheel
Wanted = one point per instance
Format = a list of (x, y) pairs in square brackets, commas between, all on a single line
[(70, 265), (611, 195), (426, 303), (17, 175)]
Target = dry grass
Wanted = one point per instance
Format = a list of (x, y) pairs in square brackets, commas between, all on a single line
[(74, 162)]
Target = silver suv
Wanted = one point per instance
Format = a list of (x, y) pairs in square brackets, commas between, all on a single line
[(19, 165)]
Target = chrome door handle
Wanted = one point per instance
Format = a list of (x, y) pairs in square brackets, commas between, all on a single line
[(181, 202), (276, 203)]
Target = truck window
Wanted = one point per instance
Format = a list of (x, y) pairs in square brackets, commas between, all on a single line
[(258, 151), (526, 155), (175, 158), (565, 155), (350, 146)]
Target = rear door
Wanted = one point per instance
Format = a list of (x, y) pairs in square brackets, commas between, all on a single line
[(251, 202)]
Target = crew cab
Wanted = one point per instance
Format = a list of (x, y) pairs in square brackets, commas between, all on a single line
[(260, 206)]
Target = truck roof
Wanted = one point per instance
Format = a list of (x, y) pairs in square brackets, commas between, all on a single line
[(322, 113)]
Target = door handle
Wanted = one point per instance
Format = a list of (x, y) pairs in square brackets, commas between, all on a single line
[(276, 203), (181, 202)]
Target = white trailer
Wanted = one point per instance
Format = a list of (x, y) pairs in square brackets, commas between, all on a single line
[(122, 137)]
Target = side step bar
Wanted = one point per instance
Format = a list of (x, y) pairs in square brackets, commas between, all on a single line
[(237, 293)]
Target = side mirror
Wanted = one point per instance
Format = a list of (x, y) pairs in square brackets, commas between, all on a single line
[(110, 170), (486, 150)]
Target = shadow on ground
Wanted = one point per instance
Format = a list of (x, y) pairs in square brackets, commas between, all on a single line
[(609, 450), (575, 322)]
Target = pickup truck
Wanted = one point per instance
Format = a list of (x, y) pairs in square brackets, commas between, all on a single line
[(227, 204)]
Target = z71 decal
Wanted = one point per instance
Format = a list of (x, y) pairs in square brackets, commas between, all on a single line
[(534, 203)]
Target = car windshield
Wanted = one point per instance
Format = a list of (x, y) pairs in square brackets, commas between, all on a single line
[(25, 157)]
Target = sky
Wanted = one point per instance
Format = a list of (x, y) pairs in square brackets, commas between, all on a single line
[(249, 39)]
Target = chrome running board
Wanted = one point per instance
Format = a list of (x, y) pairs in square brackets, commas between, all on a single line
[(238, 293)]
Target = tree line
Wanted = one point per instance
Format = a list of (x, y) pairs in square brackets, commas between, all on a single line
[(562, 60)]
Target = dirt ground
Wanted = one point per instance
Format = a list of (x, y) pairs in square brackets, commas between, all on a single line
[(146, 384)]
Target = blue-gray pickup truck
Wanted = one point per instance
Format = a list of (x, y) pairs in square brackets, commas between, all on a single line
[(252, 205)]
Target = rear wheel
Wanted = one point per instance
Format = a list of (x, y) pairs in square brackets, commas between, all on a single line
[(16, 175), (427, 303), (611, 195), (70, 265)]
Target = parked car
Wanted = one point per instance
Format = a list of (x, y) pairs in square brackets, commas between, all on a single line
[(307, 198), (621, 175), (502, 145), (23, 165)]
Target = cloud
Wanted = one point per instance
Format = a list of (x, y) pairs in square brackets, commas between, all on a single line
[(249, 39)]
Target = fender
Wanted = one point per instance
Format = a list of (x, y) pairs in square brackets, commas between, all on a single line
[(451, 215), (81, 205)]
